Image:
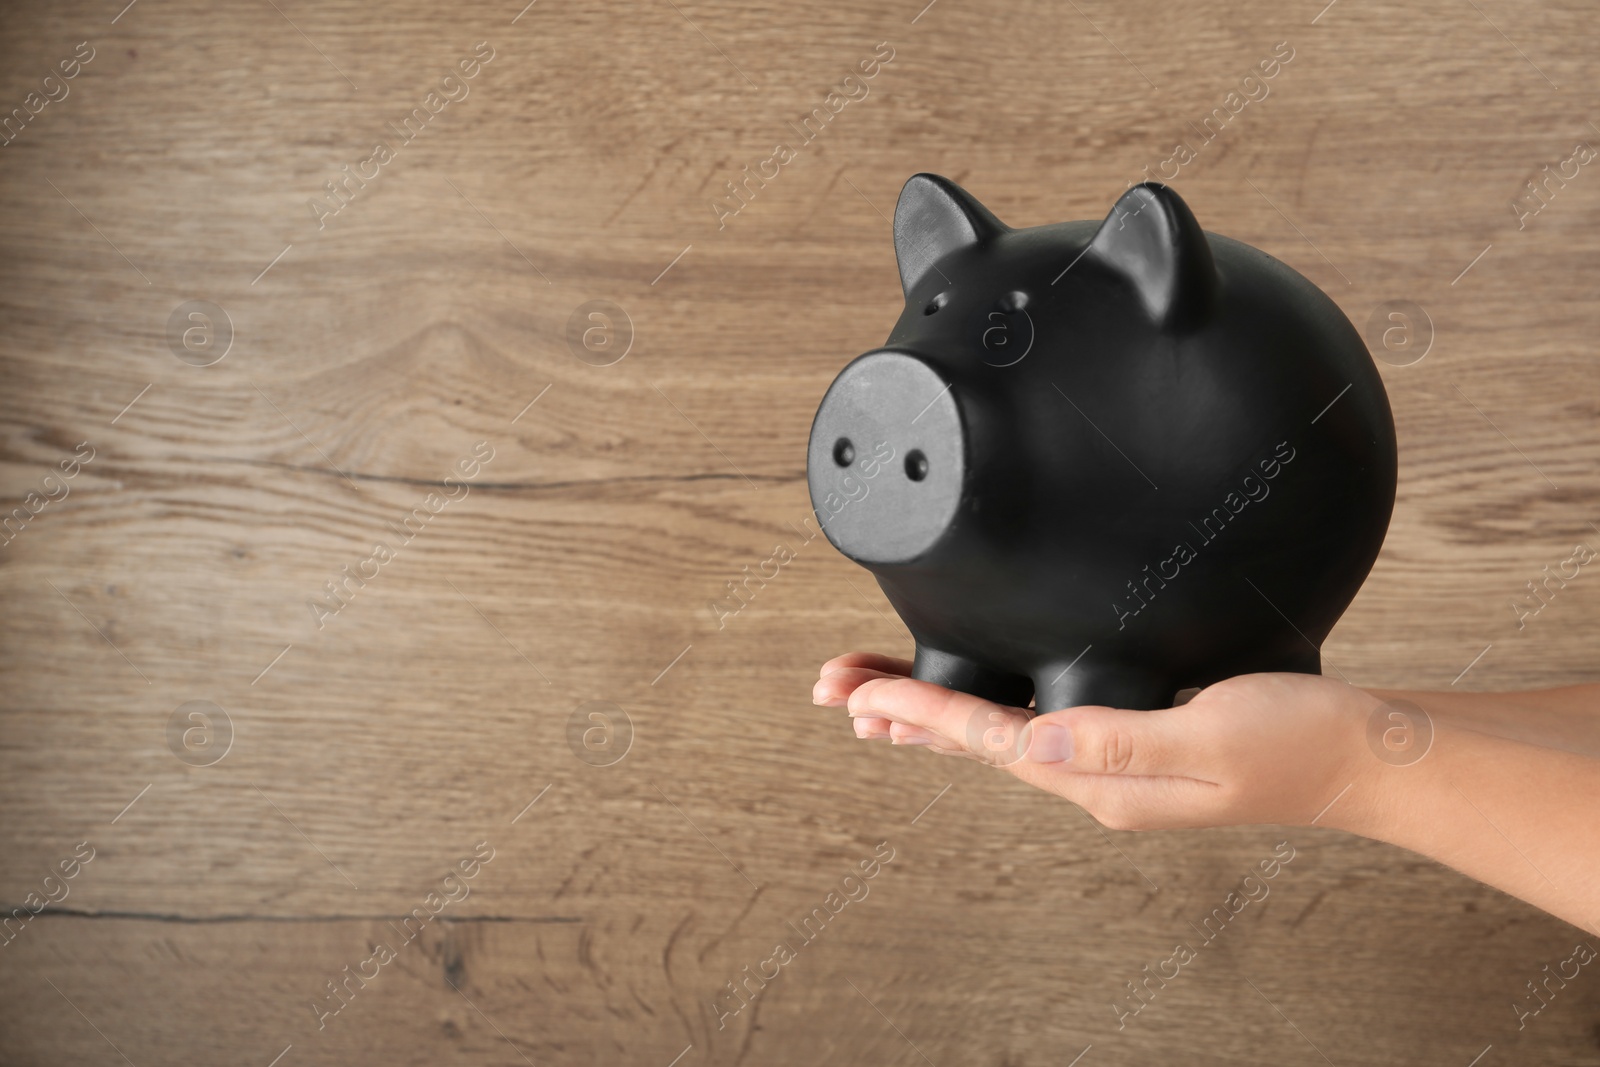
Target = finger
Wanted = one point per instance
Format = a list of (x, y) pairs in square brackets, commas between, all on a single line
[(870, 660), (901, 734), (1113, 741), (833, 689), (961, 719), (869, 729)]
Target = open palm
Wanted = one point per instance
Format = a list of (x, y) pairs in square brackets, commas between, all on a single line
[(1258, 748)]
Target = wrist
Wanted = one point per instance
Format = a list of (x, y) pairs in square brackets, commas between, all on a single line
[(1390, 762)]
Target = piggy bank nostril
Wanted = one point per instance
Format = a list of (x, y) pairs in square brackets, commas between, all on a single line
[(844, 453), (936, 303), (916, 465)]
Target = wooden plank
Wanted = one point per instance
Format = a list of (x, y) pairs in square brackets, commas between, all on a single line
[(1015, 954)]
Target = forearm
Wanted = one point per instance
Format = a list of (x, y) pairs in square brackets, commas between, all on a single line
[(1565, 718), (1522, 817)]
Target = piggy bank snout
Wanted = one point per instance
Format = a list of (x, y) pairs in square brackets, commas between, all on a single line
[(887, 458)]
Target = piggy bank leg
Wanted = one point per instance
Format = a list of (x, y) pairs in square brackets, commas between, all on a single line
[(1107, 684), (1303, 659), (970, 676)]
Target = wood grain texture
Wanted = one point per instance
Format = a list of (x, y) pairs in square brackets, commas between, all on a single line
[(372, 752)]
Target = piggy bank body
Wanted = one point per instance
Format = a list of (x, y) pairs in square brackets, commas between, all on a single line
[(1102, 462)]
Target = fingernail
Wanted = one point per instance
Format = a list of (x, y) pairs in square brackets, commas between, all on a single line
[(863, 728), (1050, 744), (911, 741)]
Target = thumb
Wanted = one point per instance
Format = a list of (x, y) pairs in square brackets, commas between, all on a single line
[(1098, 740)]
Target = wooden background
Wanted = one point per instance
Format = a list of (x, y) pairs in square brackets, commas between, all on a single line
[(370, 356)]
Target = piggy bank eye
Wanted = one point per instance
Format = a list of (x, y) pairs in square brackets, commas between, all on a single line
[(916, 465), (1008, 331), (936, 303)]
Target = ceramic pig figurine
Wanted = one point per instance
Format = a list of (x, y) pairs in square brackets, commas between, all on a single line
[(1099, 463)]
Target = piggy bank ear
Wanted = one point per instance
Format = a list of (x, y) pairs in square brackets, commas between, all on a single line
[(1152, 239), (936, 216)]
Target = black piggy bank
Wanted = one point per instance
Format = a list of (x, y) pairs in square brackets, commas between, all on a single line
[(1099, 463)]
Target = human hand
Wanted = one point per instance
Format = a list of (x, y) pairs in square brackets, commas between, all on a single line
[(1258, 748)]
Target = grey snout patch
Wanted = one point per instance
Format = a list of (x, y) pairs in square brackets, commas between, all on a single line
[(886, 460)]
